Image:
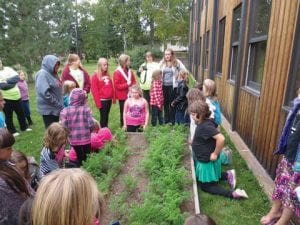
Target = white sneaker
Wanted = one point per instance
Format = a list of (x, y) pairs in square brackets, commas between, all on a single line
[(239, 193), (28, 129), (16, 134)]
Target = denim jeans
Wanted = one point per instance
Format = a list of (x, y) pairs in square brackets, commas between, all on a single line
[(181, 117), (156, 115)]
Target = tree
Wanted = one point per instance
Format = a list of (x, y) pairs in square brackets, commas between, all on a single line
[(34, 28)]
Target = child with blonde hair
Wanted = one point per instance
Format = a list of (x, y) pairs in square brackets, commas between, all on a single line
[(210, 92), (67, 197), (78, 120), (156, 98), (52, 154), (207, 145), (180, 102), (103, 90), (68, 86), (23, 87), (136, 111), (123, 79)]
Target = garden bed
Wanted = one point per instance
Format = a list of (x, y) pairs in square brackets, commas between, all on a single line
[(154, 185)]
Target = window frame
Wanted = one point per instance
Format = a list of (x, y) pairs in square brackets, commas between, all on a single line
[(253, 41), (220, 46)]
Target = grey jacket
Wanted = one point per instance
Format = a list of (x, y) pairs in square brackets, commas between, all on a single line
[(48, 88)]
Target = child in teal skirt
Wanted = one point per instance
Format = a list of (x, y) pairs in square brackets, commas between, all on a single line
[(207, 145)]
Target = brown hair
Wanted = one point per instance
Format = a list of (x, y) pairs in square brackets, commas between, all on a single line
[(17, 157), (6, 138), (156, 75), (149, 54), (72, 58), (67, 197), (137, 88), (210, 88), (195, 94), (200, 108), (199, 219), (13, 179), (54, 135), (173, 60)]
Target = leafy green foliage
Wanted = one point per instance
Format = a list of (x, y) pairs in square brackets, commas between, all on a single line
[(167, 178), (106, 165), (137, 55)]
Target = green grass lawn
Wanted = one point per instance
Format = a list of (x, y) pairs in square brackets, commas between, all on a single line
[(224, 211)]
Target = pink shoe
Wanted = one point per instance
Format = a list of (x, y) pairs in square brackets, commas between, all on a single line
[(231, 178), (239, 194)]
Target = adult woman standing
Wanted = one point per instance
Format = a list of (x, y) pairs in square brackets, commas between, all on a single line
[(49, 90), (12, 96), (170, 67), (73, 71), (145, 71), (123, 79), (102, 90)]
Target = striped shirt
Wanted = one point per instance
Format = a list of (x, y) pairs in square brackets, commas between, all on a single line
[(48, 162)]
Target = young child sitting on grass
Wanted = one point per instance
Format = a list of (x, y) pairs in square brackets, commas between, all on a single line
[(52, 154), (207, 145)]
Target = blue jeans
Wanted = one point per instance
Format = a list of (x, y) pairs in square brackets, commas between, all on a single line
[(26, 108), (156, 115), (181, 117)]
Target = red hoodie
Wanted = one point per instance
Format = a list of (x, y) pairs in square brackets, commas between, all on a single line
[(101, 89), (120, 84), (67, 76)]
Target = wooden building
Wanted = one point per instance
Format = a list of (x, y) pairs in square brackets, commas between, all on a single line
[(251, 48)]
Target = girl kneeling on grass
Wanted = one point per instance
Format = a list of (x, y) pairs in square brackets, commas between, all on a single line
[(52, 154), (136, 111), (207, 145)]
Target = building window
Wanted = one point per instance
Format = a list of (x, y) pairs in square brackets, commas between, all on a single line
[(259, 26), (220, 45), (237, 16), (206, 50)]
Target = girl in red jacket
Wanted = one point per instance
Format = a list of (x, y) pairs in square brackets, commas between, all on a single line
[(123, 79), (73, 71), (102, 90)]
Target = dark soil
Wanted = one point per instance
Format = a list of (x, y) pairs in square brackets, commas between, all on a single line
[(138, 146)]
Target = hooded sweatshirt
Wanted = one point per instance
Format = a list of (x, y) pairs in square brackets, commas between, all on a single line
[(48, 88), (77, 118)]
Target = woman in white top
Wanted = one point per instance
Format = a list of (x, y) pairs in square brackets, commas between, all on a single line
[(145, 73), (74, 71), (170, 67)]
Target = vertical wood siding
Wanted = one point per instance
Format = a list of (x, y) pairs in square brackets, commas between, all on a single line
[(260, 117)]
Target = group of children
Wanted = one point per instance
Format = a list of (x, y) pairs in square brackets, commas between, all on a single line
[(197, 108)]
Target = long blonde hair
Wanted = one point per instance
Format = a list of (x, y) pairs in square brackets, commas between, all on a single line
[(55, 135), (99, 72), (66, 197)]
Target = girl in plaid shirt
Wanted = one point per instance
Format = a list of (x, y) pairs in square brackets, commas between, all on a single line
[(156, 98), (77, 118)]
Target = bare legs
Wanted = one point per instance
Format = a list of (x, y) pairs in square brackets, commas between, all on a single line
[(275, 213)]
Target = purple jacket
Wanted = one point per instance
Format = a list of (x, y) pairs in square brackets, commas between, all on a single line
[(77, 118), (22, 84)]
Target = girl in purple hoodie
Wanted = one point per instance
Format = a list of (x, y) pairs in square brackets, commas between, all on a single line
[(78, 119)]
